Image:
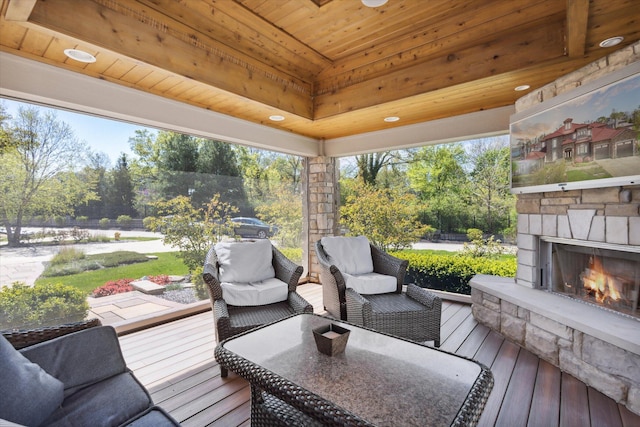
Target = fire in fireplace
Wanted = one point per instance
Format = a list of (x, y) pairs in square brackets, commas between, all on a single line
[(605, 275)]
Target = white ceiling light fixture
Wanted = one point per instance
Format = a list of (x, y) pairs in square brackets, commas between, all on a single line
[(391, 119), (612, 41), (276, 118), (80, 55), (521, 88), (373, 3)]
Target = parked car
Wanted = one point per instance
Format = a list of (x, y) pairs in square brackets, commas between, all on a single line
[(252, 227)]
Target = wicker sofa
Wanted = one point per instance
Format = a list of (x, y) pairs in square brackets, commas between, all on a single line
[(73, 375), (413, 313), (231, 319)]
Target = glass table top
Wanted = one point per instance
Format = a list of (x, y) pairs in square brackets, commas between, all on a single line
[(382, 379)]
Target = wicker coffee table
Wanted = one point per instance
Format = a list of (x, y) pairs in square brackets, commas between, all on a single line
[(378, 380)]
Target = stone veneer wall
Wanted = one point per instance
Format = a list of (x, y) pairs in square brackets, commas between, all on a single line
[(321, 207), (609, 215)]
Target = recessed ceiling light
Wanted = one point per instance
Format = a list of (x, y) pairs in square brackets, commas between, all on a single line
[(391, 119), (522, 87), (373, 3), (276, 118), (80, 55), (612, 41)]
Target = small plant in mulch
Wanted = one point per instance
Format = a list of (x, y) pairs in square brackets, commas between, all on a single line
[(124, 285)]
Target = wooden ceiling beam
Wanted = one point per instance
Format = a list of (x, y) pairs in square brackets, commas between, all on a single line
[(577, 18), (505, 54), (19, 10), (148, 40)]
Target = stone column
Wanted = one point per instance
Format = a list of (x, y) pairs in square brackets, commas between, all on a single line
[(320, 207)]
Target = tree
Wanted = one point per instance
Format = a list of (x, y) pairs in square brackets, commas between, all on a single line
[(95, 171), (192, 230), (37, 175), (284, 209), (437, 174), (218, 173), (490, 177), (120, 192), (369, 165), (387, 217)]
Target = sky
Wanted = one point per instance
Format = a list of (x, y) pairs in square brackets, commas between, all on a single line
[(101, 135)]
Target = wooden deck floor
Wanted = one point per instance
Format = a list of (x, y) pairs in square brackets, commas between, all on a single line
[(175, 362)]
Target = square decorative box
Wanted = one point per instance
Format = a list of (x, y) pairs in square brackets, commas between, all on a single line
[(331, 339)]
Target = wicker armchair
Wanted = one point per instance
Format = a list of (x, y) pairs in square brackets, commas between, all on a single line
[(231, 320), (413, 314)]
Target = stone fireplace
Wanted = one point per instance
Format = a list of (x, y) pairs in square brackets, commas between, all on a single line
[(574, 300)]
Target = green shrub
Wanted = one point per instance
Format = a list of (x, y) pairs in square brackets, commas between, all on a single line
[(114, 259), (124, 221), (59, 220), (147, 223), (67, 255), (24, 307), (294, 254), (104, 223), (452, 273), (198, 283), (83, 220)]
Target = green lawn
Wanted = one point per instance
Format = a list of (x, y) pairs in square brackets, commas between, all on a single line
[(167, 263)]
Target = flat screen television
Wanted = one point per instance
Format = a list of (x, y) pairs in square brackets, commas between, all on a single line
[(588, 137)]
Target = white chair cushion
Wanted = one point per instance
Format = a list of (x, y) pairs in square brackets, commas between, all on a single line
[(245, 262), (352, 255), (267, 291), (371, 283)]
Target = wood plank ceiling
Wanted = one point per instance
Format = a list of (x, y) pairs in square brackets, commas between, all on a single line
[(332, 68)]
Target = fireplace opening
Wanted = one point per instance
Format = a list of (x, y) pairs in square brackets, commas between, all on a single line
[(606, 277)]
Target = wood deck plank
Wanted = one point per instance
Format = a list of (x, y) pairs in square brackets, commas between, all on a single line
[(602, 410), (188, 383), (545, 404), (502, 369), (516, 404), (574, 404)]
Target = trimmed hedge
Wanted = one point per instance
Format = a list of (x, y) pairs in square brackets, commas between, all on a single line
[(452, 273)]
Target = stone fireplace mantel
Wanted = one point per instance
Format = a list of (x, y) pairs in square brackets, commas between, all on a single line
[(599, 347), (619, 330)]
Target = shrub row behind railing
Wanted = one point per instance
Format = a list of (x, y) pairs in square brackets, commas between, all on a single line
[(452, 273)]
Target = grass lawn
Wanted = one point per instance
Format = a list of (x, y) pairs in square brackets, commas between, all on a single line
[(167, 263)]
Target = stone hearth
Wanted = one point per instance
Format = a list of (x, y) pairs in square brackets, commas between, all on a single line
[(600, 348)]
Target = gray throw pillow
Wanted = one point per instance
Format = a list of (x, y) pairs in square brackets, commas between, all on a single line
[(29, 394)]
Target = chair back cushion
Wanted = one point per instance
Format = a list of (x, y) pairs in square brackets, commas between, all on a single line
[(245, 262), (352, 255), (265, 292), (371, 283), (29, 394)]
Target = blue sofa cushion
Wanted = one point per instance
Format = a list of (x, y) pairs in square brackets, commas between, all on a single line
[(29, 394), (110, 402)]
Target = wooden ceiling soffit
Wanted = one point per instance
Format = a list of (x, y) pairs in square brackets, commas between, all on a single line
[(530, 46), (466, 29), (145, 36)]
